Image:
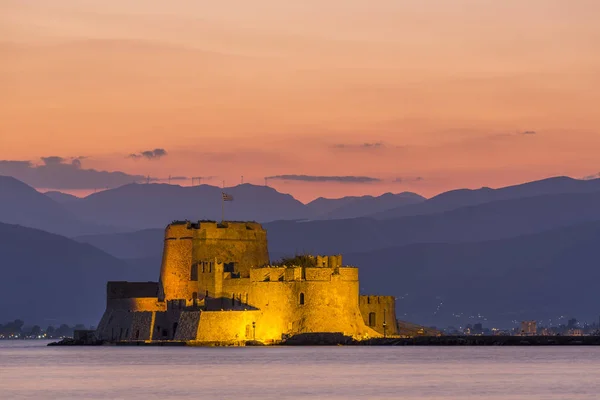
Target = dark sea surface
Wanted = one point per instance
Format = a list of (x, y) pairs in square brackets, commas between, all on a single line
[(29, 370)]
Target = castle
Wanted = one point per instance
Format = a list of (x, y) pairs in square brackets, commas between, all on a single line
[(217, 285)]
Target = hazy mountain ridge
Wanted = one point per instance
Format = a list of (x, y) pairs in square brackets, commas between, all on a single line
[(23, 205), (543, 275), (467, 197), (354, 206), (496, 220), (143, 206), (60, 197), (47, 278)]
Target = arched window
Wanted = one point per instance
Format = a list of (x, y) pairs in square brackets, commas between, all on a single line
[(301, 298)]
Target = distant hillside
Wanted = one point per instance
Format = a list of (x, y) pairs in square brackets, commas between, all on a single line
[(61, 198), (130, 245), (23, 205), (538, 276), (466, 197), (49, 279), (496, 220), (353, 207), (141, 206)]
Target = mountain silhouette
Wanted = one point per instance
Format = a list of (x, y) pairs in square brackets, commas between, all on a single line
[(495, 220), (49, 279), (541, 276), (142, 206), (21, 204), (360, 206), (60, 197), (467, 197)]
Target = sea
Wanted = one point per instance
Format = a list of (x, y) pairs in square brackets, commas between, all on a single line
[(31, 370)]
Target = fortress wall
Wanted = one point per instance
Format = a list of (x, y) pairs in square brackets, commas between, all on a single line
[(176, 267), (381, 308), (348, 273), (245, 244), (226, 326), (187, 326), (141, 326), (329, 306), (120, 325), (318, 274), (136, 304)]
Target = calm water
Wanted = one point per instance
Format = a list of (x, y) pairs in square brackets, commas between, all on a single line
[(29, 370)]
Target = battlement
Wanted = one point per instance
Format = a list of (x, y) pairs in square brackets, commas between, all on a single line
[(187, 229)]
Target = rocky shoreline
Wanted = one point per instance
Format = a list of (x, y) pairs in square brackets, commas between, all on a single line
[(333, 339)]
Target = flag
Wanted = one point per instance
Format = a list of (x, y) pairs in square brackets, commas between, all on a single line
[(227, 197)]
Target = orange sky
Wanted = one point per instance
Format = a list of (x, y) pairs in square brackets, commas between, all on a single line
[(442, 90)]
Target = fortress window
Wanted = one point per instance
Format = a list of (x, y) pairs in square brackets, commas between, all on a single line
[(372, 319), (368, 300), (301, 299), (232, 300), (137, 334), (203, 267), (195, 299), (194, 273)]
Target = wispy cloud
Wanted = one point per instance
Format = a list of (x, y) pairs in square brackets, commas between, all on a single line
[(148, 154), (359, 147), (593, 176), (64, 173), (320, 178), (408, 179), (529, 133)]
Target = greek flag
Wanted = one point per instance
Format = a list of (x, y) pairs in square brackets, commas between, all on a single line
[(227, 197)]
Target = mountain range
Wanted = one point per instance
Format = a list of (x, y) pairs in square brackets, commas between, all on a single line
[(520, 252), (50, 279)]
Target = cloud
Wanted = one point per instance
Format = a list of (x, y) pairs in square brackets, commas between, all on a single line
[(529, 133), (52, 160), (149, 154), (64, 173), (316, 178), (408, 179), (358, 147), (590, 177)]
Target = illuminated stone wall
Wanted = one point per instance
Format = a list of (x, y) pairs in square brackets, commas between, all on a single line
[(216, 281), (376, 310)]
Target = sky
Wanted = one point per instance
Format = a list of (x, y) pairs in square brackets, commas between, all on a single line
[(326, 98)]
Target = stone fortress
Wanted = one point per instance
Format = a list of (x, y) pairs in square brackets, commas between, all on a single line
[(217, 286)]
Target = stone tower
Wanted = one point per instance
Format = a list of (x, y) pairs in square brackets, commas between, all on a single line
[(238, 245)]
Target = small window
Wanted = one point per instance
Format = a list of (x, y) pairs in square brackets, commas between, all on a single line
[(194, 273), (368, 300), (301, 298), (137, 334), (232, 300), (372, 319), (203, 267)]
